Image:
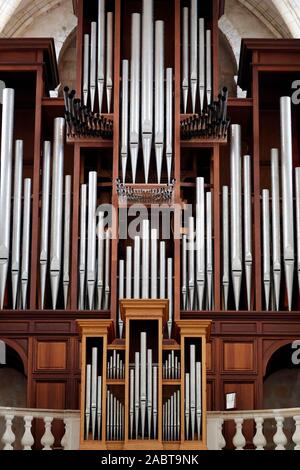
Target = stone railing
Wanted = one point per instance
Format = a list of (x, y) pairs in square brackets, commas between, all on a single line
[(239, 430), (258, 430), (20, 425)]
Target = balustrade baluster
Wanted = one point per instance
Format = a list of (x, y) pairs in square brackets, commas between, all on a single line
[(259, 439), (239, 440), (8, 437), (296, 435), (47, 440), (27, 439), (279, 438)]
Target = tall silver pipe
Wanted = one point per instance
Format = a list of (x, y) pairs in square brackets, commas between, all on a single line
[(135, 92), (128, 272), (187, 405), (147, 83), (108, 415), (209, 251), (107, 269), (17, 210), (149, 390), (266, 245), (169, 122), (131, 400), (94, 388), (297, 180), (201, 62), (111, 417), (145, 260), (208, 67), (162, 270), (137, 267), (170, 296), (225, 278), (93, 61), (87, 400), (276, 229), (26, 240), (143, 381), (86, 68), (82, 246), (184, 273), (198, 398), (100, 50), (137, 392), (248, 226), (154, 240), (124, 133), (178, 414), (99, 405), (185, 58), (287, 193), (194, 52), (109, 58), (193, 387), (236, 212), (159, 101), (91, 241), (101, 258), (57, 207), (200, 240), (67, 239), (45, 218), (7, 130), (121, 295), (155, 400), (191, 263)]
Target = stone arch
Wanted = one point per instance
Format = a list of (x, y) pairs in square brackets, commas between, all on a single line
[(67, 61), (19, 350), (272, 348)]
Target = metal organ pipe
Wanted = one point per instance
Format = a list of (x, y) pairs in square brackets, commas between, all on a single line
[(57, 207), (193, 52), (26, 240), (226, 276), (287, 193), (82, 247), (137, 267), (200, 240), (5, 184), (276, 234), (185, 57), (248, 226), (169, 122), (124, 133), (86, 67), (135, 92), (67, 234), (209, 251), (91, 245), (45, 218), (201, 62), (93, 63), (159, 96), (266, 246), (100, 52), (101, 257), (147, 83), (109, 60), (236, 212), (17, 210)]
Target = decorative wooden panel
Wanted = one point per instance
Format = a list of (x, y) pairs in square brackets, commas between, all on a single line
[(51, 355), (50, 395), (238, 356), (245, 400), (210, 395), (209, 349)]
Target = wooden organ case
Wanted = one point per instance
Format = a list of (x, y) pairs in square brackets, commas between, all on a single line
[(242, 340)]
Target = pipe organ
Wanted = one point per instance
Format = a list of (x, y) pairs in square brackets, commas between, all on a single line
[(147, 393), (147, 131)]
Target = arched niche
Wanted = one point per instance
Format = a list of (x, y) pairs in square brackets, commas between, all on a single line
[(281, 388), (67, 63), (13, 387)]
